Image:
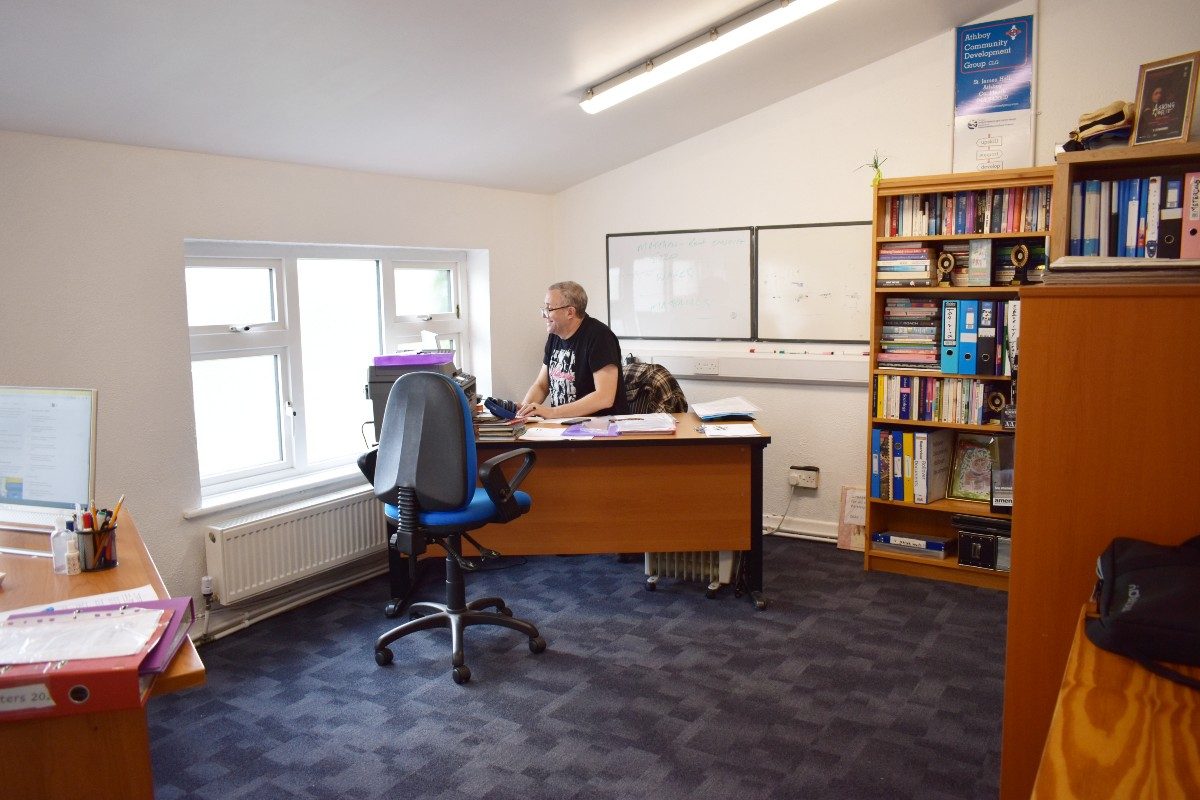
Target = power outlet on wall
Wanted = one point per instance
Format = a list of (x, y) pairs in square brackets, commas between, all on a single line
[(706, 366), (804, 477)]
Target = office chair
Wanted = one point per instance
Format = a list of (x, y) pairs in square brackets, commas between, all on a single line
[(651, 389), (424, 471)]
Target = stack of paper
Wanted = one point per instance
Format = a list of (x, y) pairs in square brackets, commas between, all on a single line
[(728, 408), (645, 423)]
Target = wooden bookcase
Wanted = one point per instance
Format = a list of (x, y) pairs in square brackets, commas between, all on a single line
[(1113, 163), (934, 518), (1108, 448)]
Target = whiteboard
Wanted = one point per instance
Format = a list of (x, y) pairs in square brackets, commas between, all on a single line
[(680, 284), (814, 282)]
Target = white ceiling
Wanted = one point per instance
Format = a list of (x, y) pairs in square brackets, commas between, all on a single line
[(481, 92)]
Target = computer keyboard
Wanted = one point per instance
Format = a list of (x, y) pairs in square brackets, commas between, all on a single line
[(16, 519)]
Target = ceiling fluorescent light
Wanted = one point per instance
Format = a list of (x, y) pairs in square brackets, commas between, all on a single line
[(714, 42)]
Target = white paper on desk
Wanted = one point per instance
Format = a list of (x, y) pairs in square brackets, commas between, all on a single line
[(645, 423), (87, 601), (96, 634), (725, 407), (731, 429), (542, 434)]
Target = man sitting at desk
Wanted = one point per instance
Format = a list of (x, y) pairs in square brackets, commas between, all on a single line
[(581, 368)]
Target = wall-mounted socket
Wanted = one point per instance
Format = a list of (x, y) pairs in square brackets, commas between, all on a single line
[(706, 366), (804, 477)]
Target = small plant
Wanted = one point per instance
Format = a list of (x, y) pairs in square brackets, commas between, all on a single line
[(876, 163)]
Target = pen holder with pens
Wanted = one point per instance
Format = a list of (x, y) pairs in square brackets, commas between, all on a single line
[(98, 549)]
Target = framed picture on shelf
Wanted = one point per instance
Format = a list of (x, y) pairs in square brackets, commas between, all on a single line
[(971, 471), (1166, 94)]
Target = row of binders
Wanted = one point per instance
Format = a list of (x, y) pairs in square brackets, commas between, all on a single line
[(1014, 210), (960, 401), (954, 336), (1136, 217), (83, 660), (910, 466)]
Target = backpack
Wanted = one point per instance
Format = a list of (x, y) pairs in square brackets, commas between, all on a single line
[(1148, 598)]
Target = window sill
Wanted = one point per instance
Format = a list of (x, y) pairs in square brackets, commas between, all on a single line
[(281, 491)]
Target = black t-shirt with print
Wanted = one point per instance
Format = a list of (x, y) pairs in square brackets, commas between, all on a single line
[(571, 363)]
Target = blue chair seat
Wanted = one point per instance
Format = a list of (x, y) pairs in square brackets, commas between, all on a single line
[(479, 512)]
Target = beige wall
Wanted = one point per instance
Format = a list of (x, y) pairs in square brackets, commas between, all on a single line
[(797, 162), (92, 292)]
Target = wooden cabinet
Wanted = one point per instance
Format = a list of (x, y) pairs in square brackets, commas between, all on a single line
[(1108, 447), (937, 197), (1113, 164)]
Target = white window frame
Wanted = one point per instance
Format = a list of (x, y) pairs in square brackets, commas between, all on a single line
[(282, 336)]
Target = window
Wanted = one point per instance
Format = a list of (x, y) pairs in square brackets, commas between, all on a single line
[(281, 339)]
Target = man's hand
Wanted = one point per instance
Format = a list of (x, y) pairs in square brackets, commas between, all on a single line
[(536, 410)]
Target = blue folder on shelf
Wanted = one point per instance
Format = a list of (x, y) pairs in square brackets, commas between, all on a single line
[(949, 336), (968, 336)]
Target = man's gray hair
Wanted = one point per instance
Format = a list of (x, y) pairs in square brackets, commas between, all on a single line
[(573, 295)]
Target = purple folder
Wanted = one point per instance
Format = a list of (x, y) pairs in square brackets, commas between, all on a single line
[(182, 617), (413, 359)]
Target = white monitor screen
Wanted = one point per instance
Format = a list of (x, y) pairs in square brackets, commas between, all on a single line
[(47, 446)]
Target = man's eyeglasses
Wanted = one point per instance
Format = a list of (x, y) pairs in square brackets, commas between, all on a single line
[(547, 309)]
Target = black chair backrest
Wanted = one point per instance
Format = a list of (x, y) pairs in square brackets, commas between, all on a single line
[(426, 443)]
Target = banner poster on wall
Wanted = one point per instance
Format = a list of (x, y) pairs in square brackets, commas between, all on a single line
[(993, 109)]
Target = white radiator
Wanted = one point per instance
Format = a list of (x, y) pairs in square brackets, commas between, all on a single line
[(260, 552), (714, 567)]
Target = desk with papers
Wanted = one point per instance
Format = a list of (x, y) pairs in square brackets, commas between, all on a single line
[(38, 757), (641, 492)]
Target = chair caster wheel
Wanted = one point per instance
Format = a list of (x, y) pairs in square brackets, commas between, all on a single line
[(710, 593), (651, 584), (391, 609), (461, 674), (383, 656), (537, 645)]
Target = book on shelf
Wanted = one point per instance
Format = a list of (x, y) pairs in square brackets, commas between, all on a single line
[(1134, 217), (968, 336), (979, 263), (1170, 219), (1189, 242), (931, 464), (1011, 210), (923, 545)]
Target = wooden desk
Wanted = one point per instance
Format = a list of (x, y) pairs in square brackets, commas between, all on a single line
[(36, 755), (633, 493), (1119, 730)]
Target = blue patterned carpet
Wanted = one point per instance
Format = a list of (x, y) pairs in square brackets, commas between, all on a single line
[(850, 685)]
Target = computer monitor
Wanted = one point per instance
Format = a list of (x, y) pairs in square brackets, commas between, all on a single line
[(47, 452)]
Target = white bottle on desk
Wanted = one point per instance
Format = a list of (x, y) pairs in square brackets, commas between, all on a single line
[(58, 546), (73, 565)]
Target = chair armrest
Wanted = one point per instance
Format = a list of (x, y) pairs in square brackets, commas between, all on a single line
[(499, 488), (366, 463)]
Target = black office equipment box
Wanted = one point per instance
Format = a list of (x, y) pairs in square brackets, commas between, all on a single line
[(381, 378), (977, 549)]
